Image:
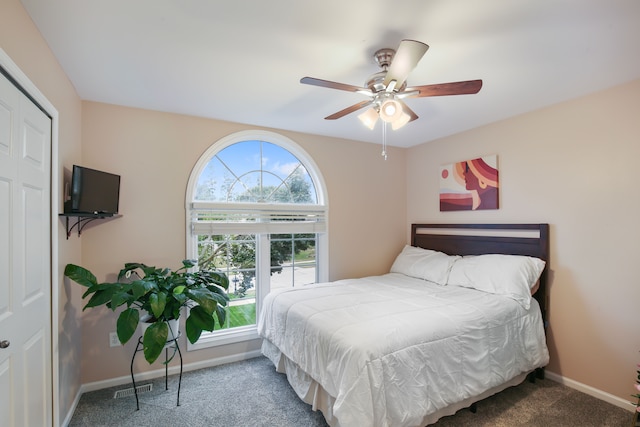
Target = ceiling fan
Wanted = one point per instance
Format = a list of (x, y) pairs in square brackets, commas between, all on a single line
[(386, 89)]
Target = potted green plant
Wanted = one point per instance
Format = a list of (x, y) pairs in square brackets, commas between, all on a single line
[(160, 293)]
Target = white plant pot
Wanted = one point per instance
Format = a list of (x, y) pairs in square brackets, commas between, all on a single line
[(173, 324)]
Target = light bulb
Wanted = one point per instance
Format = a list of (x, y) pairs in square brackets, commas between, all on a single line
[(390, 110)]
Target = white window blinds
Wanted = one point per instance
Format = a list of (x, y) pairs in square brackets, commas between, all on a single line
[(254, 218)]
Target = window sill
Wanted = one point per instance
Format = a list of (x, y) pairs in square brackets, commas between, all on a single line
[(217, 338)]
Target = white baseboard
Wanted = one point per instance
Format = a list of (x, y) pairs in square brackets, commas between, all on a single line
[(144, 376), (599, 394), (72, 409)]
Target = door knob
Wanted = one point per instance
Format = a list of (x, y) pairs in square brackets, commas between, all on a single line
[(4, 344)]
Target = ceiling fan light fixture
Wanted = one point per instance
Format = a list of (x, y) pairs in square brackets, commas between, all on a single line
[(390, 110), (401, 121), (369, 118)]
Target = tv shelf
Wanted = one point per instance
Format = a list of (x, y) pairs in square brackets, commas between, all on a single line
[(82, 219)]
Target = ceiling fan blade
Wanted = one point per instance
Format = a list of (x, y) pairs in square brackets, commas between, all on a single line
[(334, 85), (409, 111), (404, 61), (468, 87), (349, 110)]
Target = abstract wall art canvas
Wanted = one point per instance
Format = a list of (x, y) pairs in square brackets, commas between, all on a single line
[(470, 185)]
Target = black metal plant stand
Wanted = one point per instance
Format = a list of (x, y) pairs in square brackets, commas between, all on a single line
[(173, 344)]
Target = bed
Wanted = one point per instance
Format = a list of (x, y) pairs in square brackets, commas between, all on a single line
[(459, 317)]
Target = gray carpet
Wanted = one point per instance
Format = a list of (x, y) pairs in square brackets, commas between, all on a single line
[(251, 393)]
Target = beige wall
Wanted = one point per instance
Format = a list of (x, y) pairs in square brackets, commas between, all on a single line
[(574, 166), (154, 153), (20, 39), (571, 165)]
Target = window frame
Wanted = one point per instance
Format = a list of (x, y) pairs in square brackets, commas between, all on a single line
[(263, 267)]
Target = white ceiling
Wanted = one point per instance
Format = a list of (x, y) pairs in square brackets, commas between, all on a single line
[(242, 61)]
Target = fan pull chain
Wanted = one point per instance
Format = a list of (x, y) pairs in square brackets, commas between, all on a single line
[(384, 140)]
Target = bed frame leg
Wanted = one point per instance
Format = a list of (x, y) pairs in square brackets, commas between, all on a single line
[(538, 373), (473, 408)]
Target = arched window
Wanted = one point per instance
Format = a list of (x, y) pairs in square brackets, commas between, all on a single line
[(256, 210)]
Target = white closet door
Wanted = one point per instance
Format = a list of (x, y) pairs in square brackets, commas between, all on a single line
[(25, 261)]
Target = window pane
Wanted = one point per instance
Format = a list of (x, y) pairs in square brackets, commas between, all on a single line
[(293, 260), (235, 255), (241, 157), (212, 182), (255, 172)]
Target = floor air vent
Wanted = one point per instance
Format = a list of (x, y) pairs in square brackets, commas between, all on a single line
[(130, 391)]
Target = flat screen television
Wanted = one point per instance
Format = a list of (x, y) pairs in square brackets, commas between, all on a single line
[(93, 192)]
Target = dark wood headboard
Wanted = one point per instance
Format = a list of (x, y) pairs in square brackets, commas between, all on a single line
[(477, 239)]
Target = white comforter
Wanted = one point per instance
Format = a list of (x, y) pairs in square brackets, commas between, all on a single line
[(392, 349)]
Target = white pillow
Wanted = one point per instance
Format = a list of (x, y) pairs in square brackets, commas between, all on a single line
[(424, 264), (510, 275)]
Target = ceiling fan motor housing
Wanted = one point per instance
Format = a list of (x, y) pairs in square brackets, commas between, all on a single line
[(375, 83), (383, 58)]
